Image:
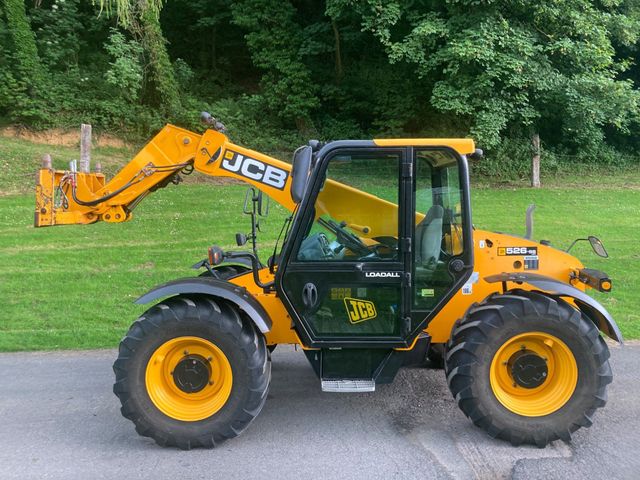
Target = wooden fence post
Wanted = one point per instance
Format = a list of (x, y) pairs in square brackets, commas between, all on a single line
[(85, 148), (46, 161), (535, 161)]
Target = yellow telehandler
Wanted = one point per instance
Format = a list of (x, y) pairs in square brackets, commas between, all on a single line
[(380, 267)]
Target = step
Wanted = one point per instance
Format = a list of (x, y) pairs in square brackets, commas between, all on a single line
[(348, 385)]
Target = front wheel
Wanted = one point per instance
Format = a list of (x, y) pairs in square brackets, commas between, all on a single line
[(191, 372), (528, 368)]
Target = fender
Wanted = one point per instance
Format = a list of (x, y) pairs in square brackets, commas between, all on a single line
[(587, 305), (216, 288), (244, 262)]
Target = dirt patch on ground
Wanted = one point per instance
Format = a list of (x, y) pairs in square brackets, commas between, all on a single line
[(58, 136)]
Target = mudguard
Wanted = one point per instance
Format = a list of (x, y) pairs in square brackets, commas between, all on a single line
[(216, 288), (589, 307), (244, 262)]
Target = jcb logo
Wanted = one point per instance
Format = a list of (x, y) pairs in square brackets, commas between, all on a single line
[(254, 169), (359, 310)]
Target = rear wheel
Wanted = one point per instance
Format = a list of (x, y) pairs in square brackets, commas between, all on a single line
[(191, 372), (527, 368)]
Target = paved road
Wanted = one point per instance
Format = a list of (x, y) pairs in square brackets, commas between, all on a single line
[(59, 420)]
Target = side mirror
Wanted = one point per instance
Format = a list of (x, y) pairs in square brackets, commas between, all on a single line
[(256, 199), (300, 172), (263, 205), (598, 247), (250, 198), (241, 239)]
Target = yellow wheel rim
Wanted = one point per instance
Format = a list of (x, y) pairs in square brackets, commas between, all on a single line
[(165, 378), (558, 384)]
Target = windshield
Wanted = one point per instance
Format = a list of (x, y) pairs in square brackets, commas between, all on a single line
[(356, 212)]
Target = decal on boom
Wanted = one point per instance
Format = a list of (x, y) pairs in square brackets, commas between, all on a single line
[(254, 169)]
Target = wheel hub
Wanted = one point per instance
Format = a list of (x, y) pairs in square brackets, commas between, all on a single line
[(192, 374), (528, 369)]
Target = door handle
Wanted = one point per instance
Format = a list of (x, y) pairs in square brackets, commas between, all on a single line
[(309, 295)]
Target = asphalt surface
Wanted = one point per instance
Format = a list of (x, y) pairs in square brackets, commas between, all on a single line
[(59, 420)]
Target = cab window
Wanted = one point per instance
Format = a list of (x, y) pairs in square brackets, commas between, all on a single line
[(356, 212)]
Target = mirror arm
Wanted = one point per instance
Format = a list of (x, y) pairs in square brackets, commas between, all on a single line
[(576, 241)]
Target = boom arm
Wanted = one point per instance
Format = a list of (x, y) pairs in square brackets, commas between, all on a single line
[(69, 197)]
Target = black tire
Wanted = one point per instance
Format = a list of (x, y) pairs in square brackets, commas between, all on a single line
[(489, 325), (209, 319)]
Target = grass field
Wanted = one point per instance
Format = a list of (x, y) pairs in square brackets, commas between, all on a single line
[(73, 287)]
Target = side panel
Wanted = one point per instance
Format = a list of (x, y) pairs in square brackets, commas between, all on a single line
[(282, 329), (490, 257)]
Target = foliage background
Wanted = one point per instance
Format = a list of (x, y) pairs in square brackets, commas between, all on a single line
[(278, 72)]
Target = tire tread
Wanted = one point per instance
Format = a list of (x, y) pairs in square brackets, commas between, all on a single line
[(477, 327)]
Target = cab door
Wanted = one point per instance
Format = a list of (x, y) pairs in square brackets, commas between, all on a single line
[(441, 232), (344, 275)]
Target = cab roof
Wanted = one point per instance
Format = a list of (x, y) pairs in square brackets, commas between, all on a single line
[(464, 146)]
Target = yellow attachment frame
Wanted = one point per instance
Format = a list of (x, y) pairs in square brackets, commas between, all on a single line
[(64, 197)]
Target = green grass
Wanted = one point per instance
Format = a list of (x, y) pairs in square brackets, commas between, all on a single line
[(562, 215), (73, 286)]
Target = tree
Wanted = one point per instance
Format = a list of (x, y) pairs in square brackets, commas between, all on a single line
[(141, 17), (24, 82), (274, 39), (504, 66)]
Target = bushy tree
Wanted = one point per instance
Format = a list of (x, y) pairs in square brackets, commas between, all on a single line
[(274, 39), (513, 65), (141, 17), (21, 87)]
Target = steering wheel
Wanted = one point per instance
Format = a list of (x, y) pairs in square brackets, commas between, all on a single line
[(325, 246), (348, 239)]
